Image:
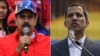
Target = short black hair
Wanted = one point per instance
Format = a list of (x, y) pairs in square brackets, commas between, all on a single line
[(77, 4)]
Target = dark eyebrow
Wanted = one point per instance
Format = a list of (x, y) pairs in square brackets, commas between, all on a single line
[(70, 14), (21, 15), (79, 14)]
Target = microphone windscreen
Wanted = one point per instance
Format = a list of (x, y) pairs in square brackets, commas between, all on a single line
[(71, 34), (26, 30)]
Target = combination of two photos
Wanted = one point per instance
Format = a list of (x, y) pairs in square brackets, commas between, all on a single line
[(49, 28)]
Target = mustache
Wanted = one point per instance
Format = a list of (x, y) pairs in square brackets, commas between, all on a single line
[(26, 25)]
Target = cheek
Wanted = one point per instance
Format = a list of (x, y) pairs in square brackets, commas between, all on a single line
[(33, 22), (83, 23), (18, 23), (5, 12), (67, 23)]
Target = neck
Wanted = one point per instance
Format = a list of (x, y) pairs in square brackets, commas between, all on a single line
[(79, 35)]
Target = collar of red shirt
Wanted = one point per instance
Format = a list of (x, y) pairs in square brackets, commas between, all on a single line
[(35, 39)]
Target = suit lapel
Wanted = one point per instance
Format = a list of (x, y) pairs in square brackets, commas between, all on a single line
[(88, 45), (65, 48)]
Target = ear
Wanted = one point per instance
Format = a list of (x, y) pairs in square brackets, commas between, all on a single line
[(65, 24), (36, 19), (15, 21), (87, 23)]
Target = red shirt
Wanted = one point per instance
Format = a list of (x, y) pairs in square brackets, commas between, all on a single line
[(39, 46)]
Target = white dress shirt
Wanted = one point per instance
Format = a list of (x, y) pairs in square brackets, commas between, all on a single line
[(73, 50)]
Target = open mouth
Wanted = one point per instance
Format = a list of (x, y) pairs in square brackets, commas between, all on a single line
[(74, 24)]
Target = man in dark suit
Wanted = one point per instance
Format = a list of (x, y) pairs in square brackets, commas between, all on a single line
[(76, 19)]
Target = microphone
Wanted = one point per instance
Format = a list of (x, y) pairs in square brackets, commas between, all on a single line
[(26, 31), (71, 35), (75, 42)]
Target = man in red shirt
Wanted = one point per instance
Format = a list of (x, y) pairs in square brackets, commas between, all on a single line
[(43, 24), (25, 41)]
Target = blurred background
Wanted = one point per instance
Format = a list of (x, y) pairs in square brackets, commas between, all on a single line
[(59, 32)]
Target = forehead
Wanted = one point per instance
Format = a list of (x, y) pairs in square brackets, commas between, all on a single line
[(75, 9), (2, 3), (26, 12)]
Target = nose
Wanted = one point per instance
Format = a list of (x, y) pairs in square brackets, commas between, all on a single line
[(74, 19), (74, 16), (26, 19)]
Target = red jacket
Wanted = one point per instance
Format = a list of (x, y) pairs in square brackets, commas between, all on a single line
[(40, 46)]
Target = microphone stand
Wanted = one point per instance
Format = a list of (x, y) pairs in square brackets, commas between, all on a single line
[(85, 49), (79, 44)]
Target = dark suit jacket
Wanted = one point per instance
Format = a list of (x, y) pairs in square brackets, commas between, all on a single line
[(61, 48)]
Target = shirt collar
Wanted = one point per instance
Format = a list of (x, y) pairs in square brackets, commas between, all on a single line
[(81, 40), (33, 36)]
